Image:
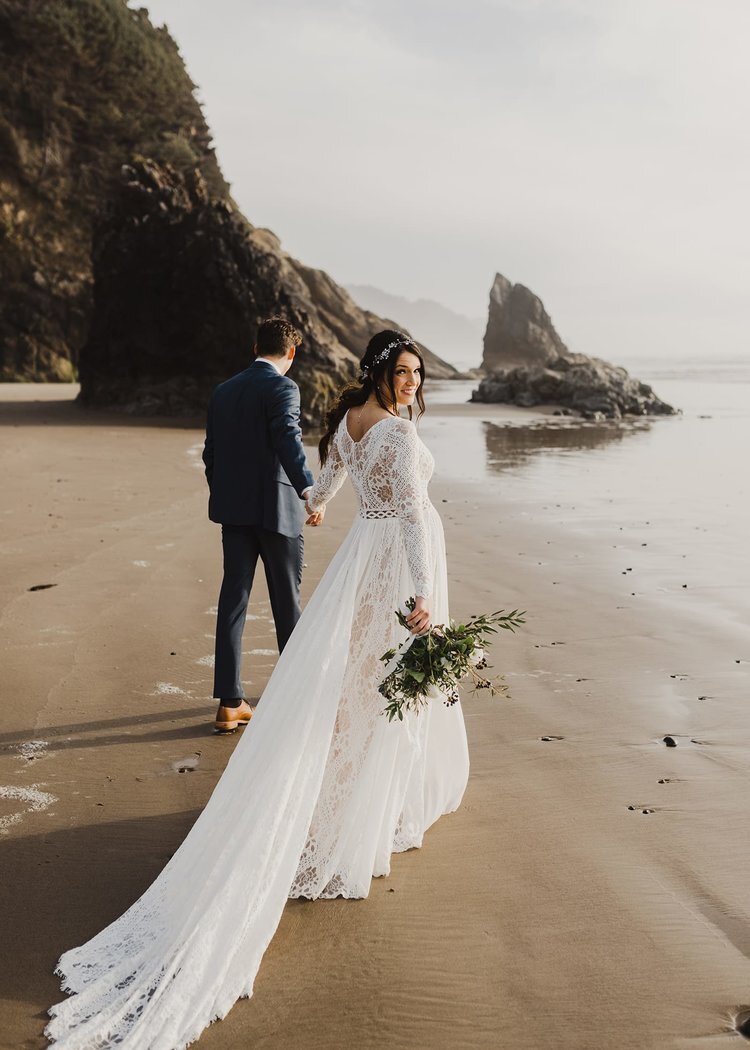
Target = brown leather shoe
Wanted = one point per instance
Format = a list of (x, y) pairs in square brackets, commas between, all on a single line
[(230, 718)]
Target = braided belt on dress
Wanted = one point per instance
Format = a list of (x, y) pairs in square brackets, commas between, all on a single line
[(386, 512), (364, 513)]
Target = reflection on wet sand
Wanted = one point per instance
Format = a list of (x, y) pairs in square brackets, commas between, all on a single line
[(509, 446)]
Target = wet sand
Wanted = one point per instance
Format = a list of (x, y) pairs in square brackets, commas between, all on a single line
[(591, 891)]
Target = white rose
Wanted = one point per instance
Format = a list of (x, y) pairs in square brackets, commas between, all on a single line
[(433, 693), (476, 657)]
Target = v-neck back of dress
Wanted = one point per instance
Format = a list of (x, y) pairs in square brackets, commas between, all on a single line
[(356, 441)]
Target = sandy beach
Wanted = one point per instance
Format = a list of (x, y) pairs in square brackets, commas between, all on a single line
[(592, 889)]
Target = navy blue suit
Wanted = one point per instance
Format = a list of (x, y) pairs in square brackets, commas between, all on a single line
[(256, 472)]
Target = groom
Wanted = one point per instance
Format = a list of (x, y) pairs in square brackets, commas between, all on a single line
[(258, 480)]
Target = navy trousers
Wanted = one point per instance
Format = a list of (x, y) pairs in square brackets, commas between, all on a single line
[(282, 561)]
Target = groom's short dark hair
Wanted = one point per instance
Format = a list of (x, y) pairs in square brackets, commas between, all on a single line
[(275, 337)]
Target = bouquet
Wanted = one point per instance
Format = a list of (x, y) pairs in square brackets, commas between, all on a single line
[(430, 666)]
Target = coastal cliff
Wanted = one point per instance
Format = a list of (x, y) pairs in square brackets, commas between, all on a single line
[(112, 201)]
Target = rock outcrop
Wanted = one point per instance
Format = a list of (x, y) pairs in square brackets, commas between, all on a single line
[(587, 385), (519, 329), (527, 364), (149, 317)]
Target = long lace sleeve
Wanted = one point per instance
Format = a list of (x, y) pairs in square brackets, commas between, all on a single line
[(410, 497), (330, 479)]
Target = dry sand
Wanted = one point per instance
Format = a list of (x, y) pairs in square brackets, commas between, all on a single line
[(591, 891)]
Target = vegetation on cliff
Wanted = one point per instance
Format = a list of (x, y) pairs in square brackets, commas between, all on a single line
[(85, 85)]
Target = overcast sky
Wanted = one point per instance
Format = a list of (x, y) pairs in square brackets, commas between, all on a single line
[(594, 150)]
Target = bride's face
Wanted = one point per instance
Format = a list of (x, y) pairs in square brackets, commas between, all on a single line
[(406, 377)]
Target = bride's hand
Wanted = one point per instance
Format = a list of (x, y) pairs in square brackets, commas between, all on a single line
[(420, 619)]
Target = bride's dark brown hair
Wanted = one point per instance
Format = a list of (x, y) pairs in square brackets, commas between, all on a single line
[(372, 373)]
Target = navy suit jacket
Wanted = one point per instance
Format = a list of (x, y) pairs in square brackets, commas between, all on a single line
[(255, 462)]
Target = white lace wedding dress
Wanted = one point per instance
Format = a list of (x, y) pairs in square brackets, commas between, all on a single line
[(318, 793)]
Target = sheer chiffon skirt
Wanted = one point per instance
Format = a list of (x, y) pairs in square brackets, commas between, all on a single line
[(318, 794)]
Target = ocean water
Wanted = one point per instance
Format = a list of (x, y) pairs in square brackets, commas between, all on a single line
[(674, 491)]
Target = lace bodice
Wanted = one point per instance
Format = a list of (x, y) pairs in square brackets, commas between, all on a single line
[(390, 468)]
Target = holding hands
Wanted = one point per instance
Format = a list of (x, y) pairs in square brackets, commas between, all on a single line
[(314, 517)]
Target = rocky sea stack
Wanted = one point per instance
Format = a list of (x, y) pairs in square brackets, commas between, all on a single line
[(124, 260), (526, 363)]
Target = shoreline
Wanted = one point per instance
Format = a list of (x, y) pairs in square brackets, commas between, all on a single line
[(545, 908)]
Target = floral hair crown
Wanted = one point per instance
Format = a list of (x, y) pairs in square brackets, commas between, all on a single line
[(366, 371)]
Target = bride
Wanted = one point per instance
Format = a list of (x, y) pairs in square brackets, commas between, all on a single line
[(322, 788)]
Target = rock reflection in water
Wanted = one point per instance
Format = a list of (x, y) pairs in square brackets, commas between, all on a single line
[(510, 446)]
